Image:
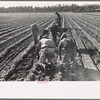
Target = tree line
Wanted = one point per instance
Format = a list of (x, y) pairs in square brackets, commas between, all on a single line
[(59, 8)]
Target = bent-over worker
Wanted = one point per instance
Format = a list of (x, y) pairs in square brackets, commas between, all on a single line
[(46, 48)]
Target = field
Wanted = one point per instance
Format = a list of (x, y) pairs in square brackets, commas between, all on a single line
[(17, 50)]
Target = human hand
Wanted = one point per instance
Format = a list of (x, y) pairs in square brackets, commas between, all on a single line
[(59, 57), (59, 61)]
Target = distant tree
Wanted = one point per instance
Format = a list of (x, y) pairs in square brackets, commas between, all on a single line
[(59, 8)]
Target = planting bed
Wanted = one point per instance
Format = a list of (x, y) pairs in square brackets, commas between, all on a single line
[(18, 53)]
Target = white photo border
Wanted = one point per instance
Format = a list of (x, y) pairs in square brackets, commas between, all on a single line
[(50, 90)]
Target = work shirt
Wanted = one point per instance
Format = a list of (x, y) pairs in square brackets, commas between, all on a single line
[(68, 44), (45, 42)]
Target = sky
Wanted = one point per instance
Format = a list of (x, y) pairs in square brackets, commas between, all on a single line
[(7, 4)]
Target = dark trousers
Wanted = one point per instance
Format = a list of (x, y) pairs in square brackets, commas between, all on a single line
[(54, 30)]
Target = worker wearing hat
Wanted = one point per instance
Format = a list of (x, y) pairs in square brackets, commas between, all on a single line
[(46, 48), (69, 46)]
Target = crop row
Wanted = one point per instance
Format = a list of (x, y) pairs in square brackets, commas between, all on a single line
[(17, 20), (26, 26), (94, 33), (81, 41), (23, 53), (88, 19), (18, 25), (4, 44), (91, 41), (8, 50)]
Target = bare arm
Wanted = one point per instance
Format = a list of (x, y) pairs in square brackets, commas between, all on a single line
[(54, 44), (38, 47), (60, 48), (62, 36)]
